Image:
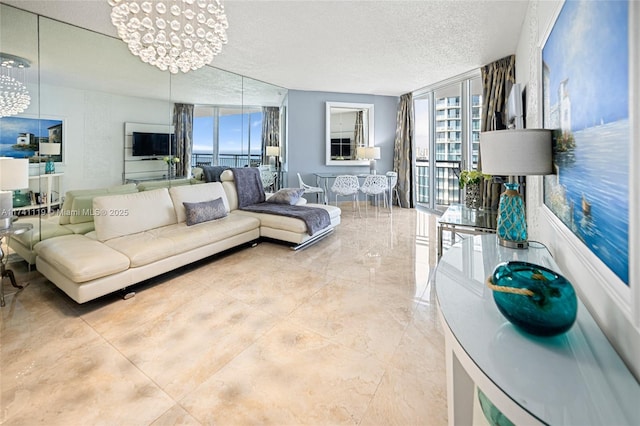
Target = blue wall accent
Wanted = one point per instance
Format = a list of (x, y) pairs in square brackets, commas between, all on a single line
[(306, 133)]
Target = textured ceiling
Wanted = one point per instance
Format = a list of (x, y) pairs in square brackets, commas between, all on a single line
[(371, 47)]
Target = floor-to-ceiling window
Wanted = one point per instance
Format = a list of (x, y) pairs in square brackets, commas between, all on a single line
[(227, 136), (447, 135)]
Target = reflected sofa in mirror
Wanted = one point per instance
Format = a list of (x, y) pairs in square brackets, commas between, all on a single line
[(349, 128), (94, 85)]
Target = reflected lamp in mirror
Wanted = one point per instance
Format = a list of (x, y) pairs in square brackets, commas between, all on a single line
[(372, 153), (14, 175), (522, 152), (48, 150), (272, 153)]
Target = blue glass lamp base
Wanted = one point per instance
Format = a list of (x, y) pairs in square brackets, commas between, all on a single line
[(49, 167), (512, 224)]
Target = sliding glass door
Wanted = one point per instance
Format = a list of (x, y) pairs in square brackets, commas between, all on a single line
[(447, 135)]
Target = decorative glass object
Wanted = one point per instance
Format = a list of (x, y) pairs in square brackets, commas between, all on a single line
[(49, 167), (512, 224), (174, 35), (472, 195), (534, 298), (491, 412)]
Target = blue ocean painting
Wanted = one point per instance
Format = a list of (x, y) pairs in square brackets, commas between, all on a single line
[(13, 128), (586, 102)]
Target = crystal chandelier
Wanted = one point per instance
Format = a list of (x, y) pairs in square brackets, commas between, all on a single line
[(14, 97), (172, 34)]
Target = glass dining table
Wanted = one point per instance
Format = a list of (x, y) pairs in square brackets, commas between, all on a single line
[(323, 181)]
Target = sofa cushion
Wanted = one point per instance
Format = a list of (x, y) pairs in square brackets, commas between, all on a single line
[(67, 212), (195, 194), (288, 196), (143, 248), (42, 230), (82, 209), (119, 215), (155, 184), (80, 258), (204, 211)]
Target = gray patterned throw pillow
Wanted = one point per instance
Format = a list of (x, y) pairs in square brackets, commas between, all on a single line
[(204, 211), (286, 196)]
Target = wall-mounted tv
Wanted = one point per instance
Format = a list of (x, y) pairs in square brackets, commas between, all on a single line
[(149, 144), (340, 147)]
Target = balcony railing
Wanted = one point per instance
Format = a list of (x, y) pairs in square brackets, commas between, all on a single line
[(229, 160), (447, 190)]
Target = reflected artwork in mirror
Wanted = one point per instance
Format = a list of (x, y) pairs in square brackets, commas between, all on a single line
[(349, 129)]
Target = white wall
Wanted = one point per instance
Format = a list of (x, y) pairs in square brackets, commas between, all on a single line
[(609, 301), (94, 131)]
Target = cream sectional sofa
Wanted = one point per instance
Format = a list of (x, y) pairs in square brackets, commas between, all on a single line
[(144, 234), (74, 217)]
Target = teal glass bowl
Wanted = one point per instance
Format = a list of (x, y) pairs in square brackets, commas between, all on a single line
[(535, 299)]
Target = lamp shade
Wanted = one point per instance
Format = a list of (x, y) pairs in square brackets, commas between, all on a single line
[(49, 148), (273, 151), (360, 152), (372, 152), (518, 152), (14, 174)]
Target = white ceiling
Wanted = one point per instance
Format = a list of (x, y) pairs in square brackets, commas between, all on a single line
[(372, 47)]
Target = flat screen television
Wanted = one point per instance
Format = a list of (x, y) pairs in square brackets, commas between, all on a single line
[(149, 144), (341, 147)]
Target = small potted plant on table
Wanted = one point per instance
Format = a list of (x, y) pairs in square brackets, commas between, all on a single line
[(470, 181)]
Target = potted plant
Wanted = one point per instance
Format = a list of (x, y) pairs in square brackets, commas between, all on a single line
[(470, 181)]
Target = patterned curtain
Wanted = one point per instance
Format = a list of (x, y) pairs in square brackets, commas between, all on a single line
[(358, 133), (183, 124), (403, 150), (497, 79), (270, 130)]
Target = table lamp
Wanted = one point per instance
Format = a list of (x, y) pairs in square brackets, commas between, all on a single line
[(372, 153), (14, 174), (518, 152), (272, 153), (49, 149)]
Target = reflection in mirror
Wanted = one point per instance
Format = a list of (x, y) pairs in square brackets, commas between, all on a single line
[(95, 87), (349, 129)]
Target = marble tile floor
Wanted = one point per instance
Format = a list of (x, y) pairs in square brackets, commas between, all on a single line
[(343, 332)]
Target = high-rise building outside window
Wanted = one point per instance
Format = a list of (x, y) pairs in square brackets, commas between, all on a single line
[(453, 111)]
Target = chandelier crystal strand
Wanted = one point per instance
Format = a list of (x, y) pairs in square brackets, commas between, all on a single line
[(14, 96), (174, 35)]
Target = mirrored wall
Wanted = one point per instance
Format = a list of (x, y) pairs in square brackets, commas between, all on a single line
[(91, 91)]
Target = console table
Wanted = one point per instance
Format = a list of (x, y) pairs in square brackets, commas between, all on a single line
[(460, 218), (575, 378)]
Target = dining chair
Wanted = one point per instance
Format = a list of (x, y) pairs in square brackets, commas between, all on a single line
[(373, 186), (268, 178), (347, 185), (393, 182), (308, 189)]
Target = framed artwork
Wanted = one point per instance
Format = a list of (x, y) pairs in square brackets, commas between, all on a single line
[(20, 137), (585, 89)]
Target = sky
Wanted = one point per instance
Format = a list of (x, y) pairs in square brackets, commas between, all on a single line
[(231, 134), (589, 46)]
